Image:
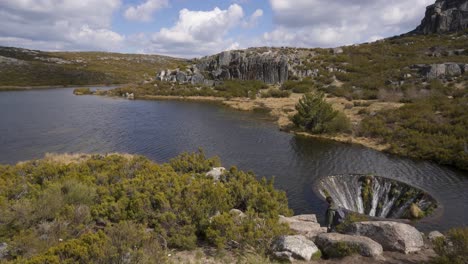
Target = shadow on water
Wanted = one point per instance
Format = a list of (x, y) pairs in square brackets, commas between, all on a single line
[(36, 122)]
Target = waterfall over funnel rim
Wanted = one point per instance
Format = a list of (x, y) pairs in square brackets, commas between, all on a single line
[(377, 196)]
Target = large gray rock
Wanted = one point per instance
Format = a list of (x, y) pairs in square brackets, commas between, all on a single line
[(197, 78), (441, 70), (294, 247), (305, 225), (436, 71), (364, 246), (181, 77), (270, 68), (392, 236), (435, 235), (453, 69), (445, 16), (216, 173)]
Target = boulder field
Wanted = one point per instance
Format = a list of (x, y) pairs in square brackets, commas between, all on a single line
[(368, 239)]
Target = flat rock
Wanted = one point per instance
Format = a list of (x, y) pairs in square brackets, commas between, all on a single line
[(305, 225), (294, 247), (363, 245), (392, 236), (434, 235)]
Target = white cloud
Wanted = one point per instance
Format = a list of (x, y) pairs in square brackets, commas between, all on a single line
[(197, 32), (313, 23), (59, 24), (144, 11), (253, 19)]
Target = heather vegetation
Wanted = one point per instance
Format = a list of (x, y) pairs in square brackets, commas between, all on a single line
[(453, 249), (127, 209), (226, 89), (435, 128), (384, 69), (35, 68)]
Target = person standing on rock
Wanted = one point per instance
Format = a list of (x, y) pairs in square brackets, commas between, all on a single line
[(331, 215)]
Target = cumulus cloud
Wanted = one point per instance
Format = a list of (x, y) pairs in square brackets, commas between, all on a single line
[(59, 24), (314, 23), (144, 11), (253, 19), (197, 32)]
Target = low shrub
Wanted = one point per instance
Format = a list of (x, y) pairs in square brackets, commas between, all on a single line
[(122, 208), (276, 93), (453, 249)]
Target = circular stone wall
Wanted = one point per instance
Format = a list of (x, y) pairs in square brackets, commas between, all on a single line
[(377, 196)]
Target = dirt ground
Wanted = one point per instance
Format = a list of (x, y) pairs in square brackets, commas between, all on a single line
[(211, 257)]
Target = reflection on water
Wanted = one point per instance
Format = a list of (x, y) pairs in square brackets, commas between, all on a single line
[(35, 122)]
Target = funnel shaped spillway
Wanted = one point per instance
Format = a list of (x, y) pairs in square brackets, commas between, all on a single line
[(377, 196)]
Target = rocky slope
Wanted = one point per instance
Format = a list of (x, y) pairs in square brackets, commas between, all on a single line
[(445, 16), (269, 65), (24, 67)]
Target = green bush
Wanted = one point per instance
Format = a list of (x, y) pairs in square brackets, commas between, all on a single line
[(52, 209), (304, 86), (317, 116), (434, 128), (276, 93), (454, 249), (82, 91), (341, 250)]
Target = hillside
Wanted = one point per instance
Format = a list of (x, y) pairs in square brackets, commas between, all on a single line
[(23, 67)]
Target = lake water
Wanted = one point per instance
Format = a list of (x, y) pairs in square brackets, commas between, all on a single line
[(35, 122)]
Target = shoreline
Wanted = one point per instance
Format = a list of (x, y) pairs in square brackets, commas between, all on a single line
[(277, 108), (7, 88)]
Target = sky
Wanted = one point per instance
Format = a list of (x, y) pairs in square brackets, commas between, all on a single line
[(188, 28)]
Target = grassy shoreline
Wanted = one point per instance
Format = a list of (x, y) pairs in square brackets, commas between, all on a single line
[(279, 109), (8, 88)]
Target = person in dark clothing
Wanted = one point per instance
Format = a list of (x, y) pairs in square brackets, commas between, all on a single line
[(330, 215)]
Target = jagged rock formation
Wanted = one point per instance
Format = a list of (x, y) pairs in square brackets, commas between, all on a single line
[(269, 67), (445, 16)]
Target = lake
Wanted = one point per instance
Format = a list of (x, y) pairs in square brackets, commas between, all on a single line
[(35, 122)]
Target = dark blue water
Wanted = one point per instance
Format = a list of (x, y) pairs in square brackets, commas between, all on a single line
[(33, 123)]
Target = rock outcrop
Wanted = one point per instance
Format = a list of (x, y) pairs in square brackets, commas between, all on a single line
[(294, 247), (305, 225), (444, 16), (331, 242), (271, 67), (268, 67), (391, 235), (441, 70)]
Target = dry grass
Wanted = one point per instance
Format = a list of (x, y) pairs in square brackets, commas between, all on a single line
[(69, 158)]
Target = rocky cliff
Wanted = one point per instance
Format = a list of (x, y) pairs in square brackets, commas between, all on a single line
[(270, 67), (445, 16)]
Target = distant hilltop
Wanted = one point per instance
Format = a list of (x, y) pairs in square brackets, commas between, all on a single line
[(444, 16)]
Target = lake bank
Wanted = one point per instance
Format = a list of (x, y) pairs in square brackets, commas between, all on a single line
[(282, 108), (9, 88)]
